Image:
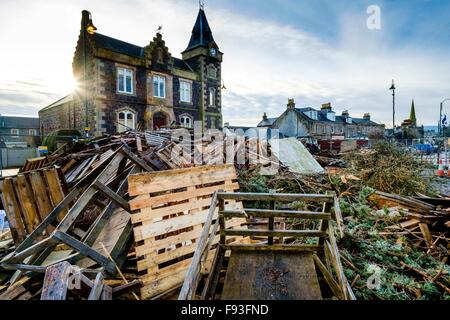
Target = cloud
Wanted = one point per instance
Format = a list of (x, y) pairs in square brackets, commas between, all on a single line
[(266, 60)]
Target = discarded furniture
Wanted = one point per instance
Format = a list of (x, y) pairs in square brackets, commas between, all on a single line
[(278, 268), (169, 211)]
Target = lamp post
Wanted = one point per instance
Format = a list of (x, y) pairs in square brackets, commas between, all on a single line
[(88, 28), (440, 116), (393, 108)]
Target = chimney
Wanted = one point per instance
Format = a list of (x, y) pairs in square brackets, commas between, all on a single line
[(264, 116), (366, 116), (326, 106), (345, 113), (291, 104)]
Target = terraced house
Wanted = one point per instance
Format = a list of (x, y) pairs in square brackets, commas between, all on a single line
[(322, 124), (123, 86)]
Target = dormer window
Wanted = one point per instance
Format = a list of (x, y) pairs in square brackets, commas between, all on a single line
[(331, 116), (312, 114), (348, 120)]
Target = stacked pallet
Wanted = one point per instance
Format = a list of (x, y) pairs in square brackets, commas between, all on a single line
[(169, 211), (29, 197)]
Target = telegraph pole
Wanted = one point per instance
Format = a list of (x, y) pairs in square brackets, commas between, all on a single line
[(393, 108)]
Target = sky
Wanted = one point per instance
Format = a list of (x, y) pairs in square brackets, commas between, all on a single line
[(314, 51)]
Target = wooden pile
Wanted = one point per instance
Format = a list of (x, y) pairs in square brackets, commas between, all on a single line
[(169, 210), (424, 219), (29, 197)]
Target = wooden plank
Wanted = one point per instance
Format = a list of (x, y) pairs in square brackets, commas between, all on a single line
[(149, 214), (97, 289), (271, 276), (55, 189), (273, 233), (112, 195), (86, 251), (34, 236), (56, 282), (169, 225), (274, 247), (162, 180), (106, 293), (266, 213), (27, 202), (286, 197), (144, 201), (12, 210), (136, 160), (40, 194), (328, 278)]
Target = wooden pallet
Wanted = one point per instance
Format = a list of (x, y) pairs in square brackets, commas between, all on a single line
[(29, 197), (169, 211), (34, 164)]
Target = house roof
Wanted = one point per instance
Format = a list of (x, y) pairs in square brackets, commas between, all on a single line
[(267, 122), (13, 122), (119, 46), (59, 102), (122, 47), (201, 33)]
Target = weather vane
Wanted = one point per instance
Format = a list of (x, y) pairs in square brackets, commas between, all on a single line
[(159, 29), (201, 3)]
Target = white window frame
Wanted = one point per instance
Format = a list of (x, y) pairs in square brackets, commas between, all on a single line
[(126, 126), (212, 97), (32, 132), (125, 72), (15, 132), (183, 119), (185, 91), (159, 80)]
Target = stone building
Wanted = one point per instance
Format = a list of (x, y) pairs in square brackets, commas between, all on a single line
[(322, 124), (16, 131), (123, 86), (409, 129)]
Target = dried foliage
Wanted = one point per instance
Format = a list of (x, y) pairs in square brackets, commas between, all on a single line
[(389, 169)]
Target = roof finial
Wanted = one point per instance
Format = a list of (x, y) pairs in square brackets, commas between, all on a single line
[(201, 4)]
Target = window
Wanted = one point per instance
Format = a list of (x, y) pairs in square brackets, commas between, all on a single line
[(212, 97), (211, 72), (159, 86), (32, 132), (186, 121), (185, 91), (126, 121), (15, 132), (124, 80)]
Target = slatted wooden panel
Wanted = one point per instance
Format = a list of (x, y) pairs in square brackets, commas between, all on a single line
[(29, 197), (169, 210)]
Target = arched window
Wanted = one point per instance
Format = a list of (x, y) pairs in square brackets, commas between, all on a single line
[(126, 121), (211, 72), (212, 97), (186, 121)]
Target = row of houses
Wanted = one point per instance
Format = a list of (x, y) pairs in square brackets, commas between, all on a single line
[(319, 124)]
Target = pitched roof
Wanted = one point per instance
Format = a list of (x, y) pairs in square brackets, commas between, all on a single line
[(13, 122), (105, 42), (119, 46), (201, 33), (267, 122), (59, 102)]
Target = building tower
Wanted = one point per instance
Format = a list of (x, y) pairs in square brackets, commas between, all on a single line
[(412, 114), (203, 55)]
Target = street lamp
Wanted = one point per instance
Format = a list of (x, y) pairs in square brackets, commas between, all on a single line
[(393, 107), (88, 28), (440, 116)]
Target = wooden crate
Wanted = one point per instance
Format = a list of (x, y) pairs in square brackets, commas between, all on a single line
[(169, 210), (29, 197)]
